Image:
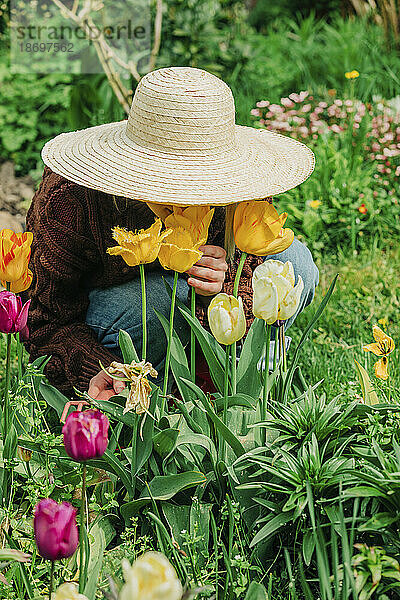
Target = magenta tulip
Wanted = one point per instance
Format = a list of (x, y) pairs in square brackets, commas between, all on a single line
[(13, 315), (86, 435), (56, 531)]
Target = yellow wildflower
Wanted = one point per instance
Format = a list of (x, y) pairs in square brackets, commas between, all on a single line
[(383, 346), (315, 203), (352, 74)]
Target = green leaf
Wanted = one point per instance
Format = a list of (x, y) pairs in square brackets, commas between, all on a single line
[(118, 468), (53, 397), (248, 377), (256, 591), (179, 364), (226, 433), (269, 528), (243, 400), (308, 546), (378, 521), (127, 348), (212, 351), (364, 491), (97, 541), (197, 439), (162, 487), (165, 441), (144, 446), (368, 392)]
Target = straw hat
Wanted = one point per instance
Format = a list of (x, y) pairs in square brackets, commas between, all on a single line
[(180, 145)]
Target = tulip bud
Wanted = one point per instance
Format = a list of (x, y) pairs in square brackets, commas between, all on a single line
[(13, 316), (56, 531), (275, 297), (15, 251), (226, 318), (151, 577), (86, 435), (68, 591)]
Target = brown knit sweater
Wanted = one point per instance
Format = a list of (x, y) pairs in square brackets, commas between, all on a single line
[(71, 228)]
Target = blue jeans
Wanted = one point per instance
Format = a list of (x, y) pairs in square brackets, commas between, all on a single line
[(116, 308)]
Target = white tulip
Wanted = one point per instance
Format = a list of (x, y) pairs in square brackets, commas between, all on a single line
[(275, 295), (226, 318), (151, 577), (68, 591)]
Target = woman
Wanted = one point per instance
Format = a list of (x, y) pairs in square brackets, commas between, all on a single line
[(179, 146)]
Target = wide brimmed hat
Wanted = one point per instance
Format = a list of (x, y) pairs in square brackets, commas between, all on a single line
[(180, 145)]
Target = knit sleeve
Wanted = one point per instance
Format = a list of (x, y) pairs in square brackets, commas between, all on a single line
[(62, 257)]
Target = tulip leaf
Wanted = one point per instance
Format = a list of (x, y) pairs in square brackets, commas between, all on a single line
[(212, 351), (243, 400), (256, 591), (118, 468), (53, 397), (248, 376), (162, 487), (271, 526), (306, 333), (127, 348), (115, 410), (193, 439), (144, 444), (368, 392), (179, 364), (165, 441), (97, 543), (226, 433)]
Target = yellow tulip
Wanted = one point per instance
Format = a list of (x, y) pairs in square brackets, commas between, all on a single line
[(15, 252), (135, 373), (258, 229), (68, 591), (150, 577), (195, 219), (226, 318), (383, 346), (275, 295), (138, 247), (179, 251), (22, 284)]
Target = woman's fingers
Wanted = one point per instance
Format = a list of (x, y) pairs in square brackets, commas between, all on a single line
[(214, 251), (213, 263), (209, 288), (208, 274)]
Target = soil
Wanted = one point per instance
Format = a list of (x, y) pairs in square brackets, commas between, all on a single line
[(15, 196)]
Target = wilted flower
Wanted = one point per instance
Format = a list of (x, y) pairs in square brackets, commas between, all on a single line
[(24, 454), (258, 228), (15, 252), (56, 531), (179, 251), (275, 295), (86, 434), (135, 373), (383, 346), (226, 318), (68, 591), (13, 315), (151, 577), (139, 247), (352, 74)]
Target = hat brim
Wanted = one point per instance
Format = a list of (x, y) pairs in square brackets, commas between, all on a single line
[(262, 164)]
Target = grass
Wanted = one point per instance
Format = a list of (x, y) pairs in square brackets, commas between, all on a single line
[(368, 290)]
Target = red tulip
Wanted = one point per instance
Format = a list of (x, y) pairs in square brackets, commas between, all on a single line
[(56, 531), (86, 435), (13, 316)]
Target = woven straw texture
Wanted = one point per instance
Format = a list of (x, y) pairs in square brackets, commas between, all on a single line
[(180, 145)]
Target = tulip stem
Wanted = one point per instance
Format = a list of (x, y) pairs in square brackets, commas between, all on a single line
[(243, 257), (168, 355), (264, 404), (144, 324), (20, 355), (234, 367), (81, 533), (225, 406), (193, 337), (7, 385), (51, 579)]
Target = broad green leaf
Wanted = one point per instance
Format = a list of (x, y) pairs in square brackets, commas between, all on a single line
[(226, 433), (162, 487), (256, 591), (53, 397), (127, 348), (378, 521), (243, 400), (115, 410), (178, 520), (165, 441), (179, 363), (196, 439), (248, 376), (97, 541), (368, 392), (271, 527), (144, 446), (308, 546), (364, 491), (212, 351)]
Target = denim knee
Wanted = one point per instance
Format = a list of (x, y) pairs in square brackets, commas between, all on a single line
[(303, 264)]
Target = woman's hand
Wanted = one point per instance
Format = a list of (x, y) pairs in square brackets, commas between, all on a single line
[(102, 386), (208, 274)]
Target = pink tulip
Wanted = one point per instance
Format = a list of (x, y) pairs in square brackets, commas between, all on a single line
[(86, 435), (13, 316), (56, 531)]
